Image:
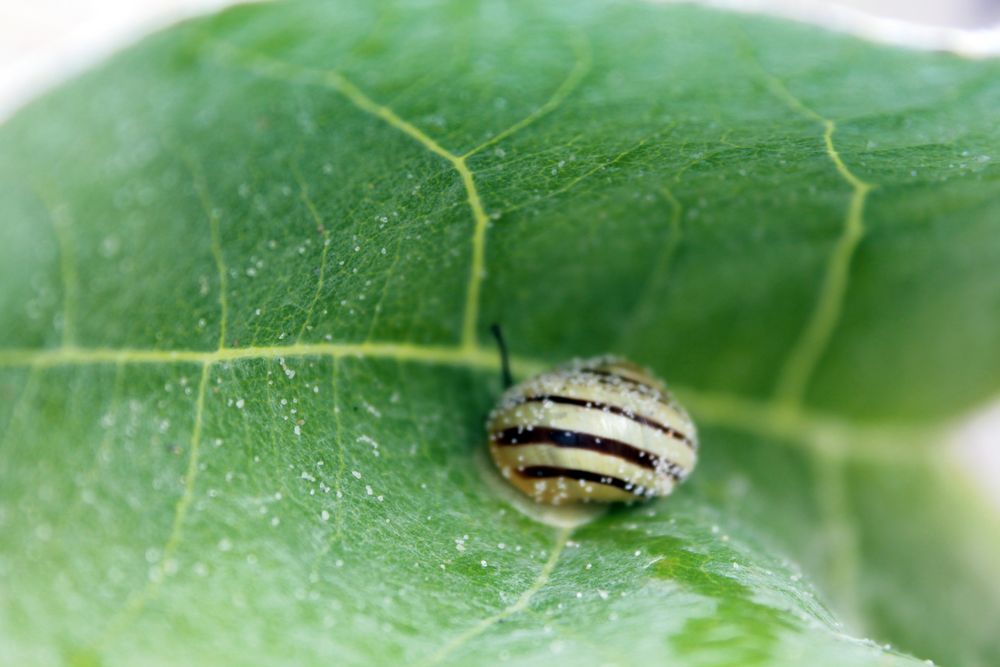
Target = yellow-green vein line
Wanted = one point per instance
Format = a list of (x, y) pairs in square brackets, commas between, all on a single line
[(320, 227), (581, 65), (585, 175), (815, 337), (828, 452), (661, 268), (765, 418), (522, 602), (899, 444), (69, 356), (814, 340), (137, 602), (190, 473), (267, 67), (779, 90), (480, 219), (359, 99), (477, 268), (201, 187)]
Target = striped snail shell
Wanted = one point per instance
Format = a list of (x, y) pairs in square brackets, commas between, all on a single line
[(599, 430)]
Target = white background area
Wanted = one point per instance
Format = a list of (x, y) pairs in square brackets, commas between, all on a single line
[(43, 42)]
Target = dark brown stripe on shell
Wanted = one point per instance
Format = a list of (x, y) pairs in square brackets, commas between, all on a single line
[(608, 376), (542, 435), (615, 410), (546, 472), (620, 377)]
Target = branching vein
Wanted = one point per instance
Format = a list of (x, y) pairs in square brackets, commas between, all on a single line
[(808, 350), (815, 337), (582, 177), (518, 605), (318, 221), (581, 65), (661, 268), (478, 264), (137, 603), (766, 418), (275, 69)]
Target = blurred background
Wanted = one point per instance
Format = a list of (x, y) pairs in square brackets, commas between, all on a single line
[(961, 13), (43, 42)]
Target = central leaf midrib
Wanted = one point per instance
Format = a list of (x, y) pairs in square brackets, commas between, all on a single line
[(901, 443)]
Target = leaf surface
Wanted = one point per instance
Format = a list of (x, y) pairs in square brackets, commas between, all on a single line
[(247, 272)]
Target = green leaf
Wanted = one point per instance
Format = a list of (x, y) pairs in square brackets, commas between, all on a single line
[(247, 271)]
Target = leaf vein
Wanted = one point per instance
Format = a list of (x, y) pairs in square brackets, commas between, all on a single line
[(582, 177), (268, 67), (137, 602), (805, 428), (814, 340), (581, 66), (307, 200), (661, 269), (522, 602)]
